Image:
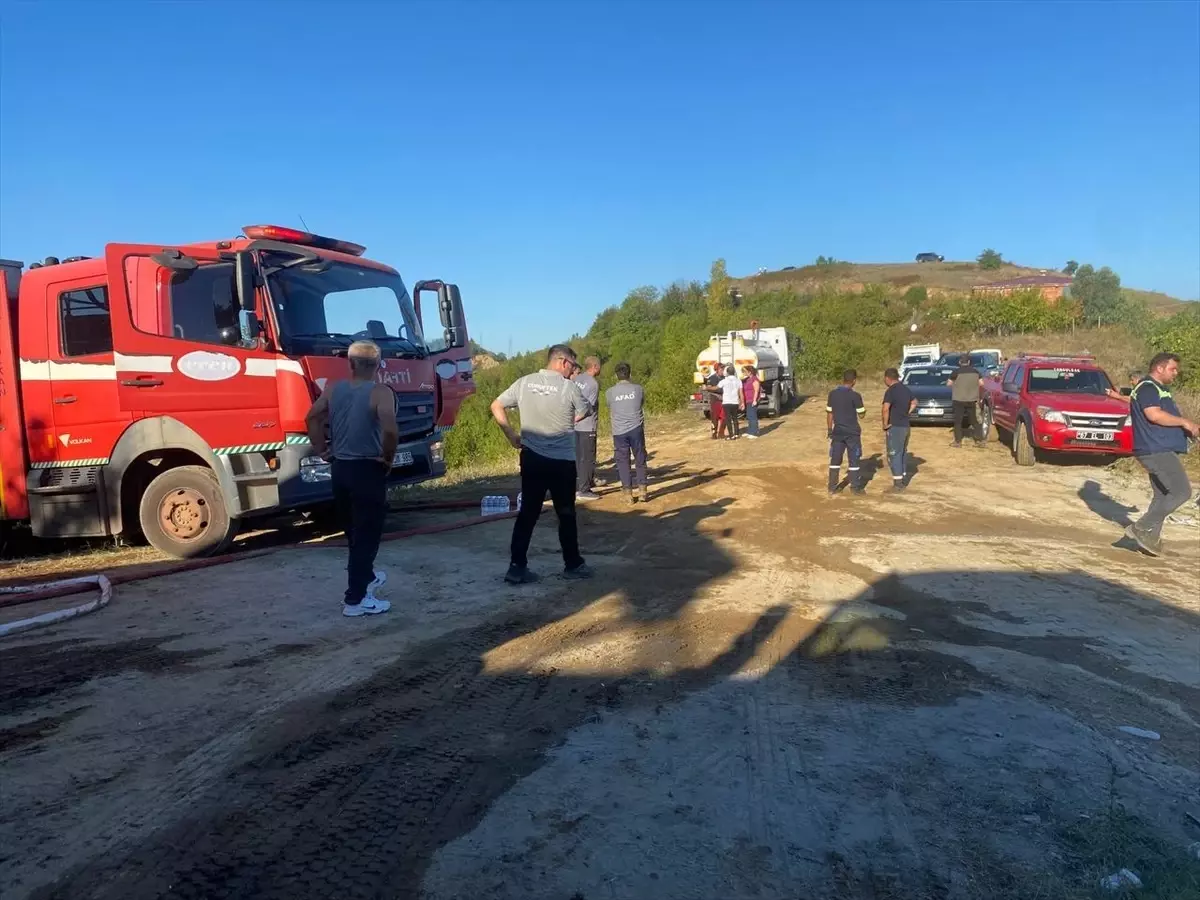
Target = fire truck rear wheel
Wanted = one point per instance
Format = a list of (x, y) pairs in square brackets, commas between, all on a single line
[(183, 514)]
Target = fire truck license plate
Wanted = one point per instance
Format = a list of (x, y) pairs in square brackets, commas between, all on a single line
[(1095, 435), (402, 458)]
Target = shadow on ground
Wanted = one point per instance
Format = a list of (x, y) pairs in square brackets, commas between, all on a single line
[(353, 795)]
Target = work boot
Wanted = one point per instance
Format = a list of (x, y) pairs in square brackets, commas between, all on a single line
[(627, 495), (643, 494), (1151, 543), (957, 445)]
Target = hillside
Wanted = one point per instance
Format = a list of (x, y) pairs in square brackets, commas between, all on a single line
[(937, 279)]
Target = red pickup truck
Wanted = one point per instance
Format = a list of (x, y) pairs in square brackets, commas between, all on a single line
[(1059, 404)]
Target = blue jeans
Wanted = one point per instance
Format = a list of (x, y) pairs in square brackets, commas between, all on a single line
[(752, 419), (631, 442), (897, 450)]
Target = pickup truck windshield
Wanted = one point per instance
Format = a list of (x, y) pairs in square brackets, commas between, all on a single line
[(985, 360), (326, 305), (1068, 381), (928, 377)]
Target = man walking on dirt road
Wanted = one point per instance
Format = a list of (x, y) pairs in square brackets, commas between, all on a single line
[(363, 433), (625, 410), (843, 410), (898, 404), (1160, 436), (549, 404), (967, 388), (585, 432)]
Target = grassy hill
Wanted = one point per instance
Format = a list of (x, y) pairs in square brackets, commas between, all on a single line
[(937, 278)]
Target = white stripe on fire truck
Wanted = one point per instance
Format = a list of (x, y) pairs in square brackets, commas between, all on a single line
[(157, 364), (248, 448), (268, 368), (67, 371)]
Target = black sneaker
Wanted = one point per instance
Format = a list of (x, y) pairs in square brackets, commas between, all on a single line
[(581, 571), (1149, 543), (520, 575), (898, 487), (858, 491), (584, 496)]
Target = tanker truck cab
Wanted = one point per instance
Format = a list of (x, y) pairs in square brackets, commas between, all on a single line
[(162, 392)]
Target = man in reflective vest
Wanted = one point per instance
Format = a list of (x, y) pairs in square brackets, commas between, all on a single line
[(1160, 438)]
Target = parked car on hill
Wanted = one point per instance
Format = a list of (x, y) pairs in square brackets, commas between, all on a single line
[(1047, 404), (930, 257)]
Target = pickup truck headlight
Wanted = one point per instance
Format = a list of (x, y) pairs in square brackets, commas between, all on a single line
[(1046, 414), (437, 451), (313, 469)]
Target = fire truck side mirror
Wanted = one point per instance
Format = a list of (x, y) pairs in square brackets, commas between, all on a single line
[(454, 321), (244, 277)]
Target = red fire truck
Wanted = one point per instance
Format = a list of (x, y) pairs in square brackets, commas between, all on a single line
[(160, 392)]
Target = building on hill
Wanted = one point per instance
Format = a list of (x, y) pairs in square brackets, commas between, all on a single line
[(1052, 287)]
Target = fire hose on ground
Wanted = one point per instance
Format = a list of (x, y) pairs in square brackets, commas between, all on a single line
[(12, 596)]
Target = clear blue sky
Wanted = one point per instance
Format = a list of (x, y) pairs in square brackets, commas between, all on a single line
[(551, 156)]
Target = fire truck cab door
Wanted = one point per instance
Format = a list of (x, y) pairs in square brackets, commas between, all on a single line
[(178, 350)]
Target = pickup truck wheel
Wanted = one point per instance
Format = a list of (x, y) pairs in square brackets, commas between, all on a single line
[(1023, 448), (183, 514)]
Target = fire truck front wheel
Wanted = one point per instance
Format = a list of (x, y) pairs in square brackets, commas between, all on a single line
[(182, 513)]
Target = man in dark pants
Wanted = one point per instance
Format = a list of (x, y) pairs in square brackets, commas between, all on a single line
[(715, 410), (549, 404), (1160, 436), (626, 401), (361, 417), (966, 390), (898, 404), (585, 431), (843, 410)]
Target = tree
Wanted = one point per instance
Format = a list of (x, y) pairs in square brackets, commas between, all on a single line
[(1098, 293), (719, 283), (989, 259), (1071, 267)]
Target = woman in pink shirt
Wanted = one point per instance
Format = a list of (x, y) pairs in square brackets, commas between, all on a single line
[(751, 392)]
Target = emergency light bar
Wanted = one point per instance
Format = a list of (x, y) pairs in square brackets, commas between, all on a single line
[(303, 238)]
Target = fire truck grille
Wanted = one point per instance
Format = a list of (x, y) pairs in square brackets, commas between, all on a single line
[(77, 476), (415, 413)]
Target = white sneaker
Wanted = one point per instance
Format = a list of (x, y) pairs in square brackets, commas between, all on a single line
[(752, 437), (370, 606), (379, 581)]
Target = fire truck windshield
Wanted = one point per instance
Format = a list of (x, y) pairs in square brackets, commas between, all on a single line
[(323, 306)]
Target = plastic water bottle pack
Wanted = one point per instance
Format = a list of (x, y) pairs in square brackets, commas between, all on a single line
[(493, 506)]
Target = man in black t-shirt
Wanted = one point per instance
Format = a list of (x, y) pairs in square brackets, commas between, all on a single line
[(843, 409), (898, 404)]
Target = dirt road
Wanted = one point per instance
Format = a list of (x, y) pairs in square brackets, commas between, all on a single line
[(765, 692)]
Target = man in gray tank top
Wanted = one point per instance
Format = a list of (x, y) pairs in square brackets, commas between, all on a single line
[(363, 433), (549, 404)]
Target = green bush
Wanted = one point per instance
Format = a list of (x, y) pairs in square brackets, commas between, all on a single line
[(1180, 334)]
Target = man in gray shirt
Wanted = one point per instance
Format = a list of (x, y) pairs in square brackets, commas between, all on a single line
[(549, 404), (966, 389), (585, 432), (625, 409)]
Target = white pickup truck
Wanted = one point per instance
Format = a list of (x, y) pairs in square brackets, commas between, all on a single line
[(918, 355)]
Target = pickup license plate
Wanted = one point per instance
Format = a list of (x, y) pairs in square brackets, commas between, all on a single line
[(930, 411), (402, 458), (1095, 435)]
